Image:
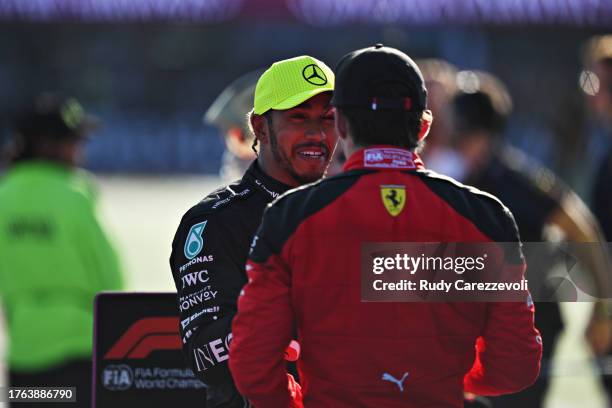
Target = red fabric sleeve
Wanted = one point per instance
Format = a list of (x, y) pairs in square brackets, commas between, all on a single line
[(509, 351), (262, 329)]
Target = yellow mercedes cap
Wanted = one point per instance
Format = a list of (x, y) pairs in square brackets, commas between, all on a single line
[(290, 82)]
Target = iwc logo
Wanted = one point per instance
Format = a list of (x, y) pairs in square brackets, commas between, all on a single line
[(314, 75)]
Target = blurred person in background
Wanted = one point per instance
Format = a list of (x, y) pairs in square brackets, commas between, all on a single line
[(228, 113), (596, 81), (304, 265), (540, 202), (293, 123), (441, 80), (55, 255)]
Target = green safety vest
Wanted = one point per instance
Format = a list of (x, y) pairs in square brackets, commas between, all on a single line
[(54, 258)]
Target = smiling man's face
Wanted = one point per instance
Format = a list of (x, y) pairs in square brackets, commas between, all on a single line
[(302, 139)]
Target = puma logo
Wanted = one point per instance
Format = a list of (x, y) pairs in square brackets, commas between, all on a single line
[(399, 383)]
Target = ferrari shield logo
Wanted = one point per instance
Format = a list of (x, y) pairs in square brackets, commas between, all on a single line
[(393, 198)]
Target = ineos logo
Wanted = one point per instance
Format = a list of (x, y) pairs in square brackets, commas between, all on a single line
[(314, 75)]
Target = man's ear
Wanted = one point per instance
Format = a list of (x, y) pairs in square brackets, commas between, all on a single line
[(426, 121), (260, 128), (341, 124), (239, 143)]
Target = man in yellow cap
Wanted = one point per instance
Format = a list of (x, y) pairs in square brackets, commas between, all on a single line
[(293, 123)]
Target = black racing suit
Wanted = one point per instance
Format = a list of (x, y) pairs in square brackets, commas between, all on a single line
[(209, 253)]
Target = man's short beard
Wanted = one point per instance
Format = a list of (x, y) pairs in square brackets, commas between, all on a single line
[(281, 158)]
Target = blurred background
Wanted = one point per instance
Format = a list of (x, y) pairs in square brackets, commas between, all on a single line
[(149, 69)]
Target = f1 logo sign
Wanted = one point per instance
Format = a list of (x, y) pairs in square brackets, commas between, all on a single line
[(146, 336)]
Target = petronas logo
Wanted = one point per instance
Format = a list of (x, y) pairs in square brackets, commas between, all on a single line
[(194, 242)]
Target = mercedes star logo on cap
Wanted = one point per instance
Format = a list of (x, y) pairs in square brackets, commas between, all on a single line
[(314, 75)]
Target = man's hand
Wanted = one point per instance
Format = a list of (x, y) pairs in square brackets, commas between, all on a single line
[(599, 331), (295, 390)]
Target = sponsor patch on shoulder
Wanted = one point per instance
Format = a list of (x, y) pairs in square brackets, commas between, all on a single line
[(194, 242)]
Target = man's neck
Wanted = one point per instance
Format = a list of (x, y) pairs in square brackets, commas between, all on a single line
[(349, 147), (276, 173)]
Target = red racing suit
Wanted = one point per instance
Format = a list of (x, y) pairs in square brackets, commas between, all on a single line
[(304, 275)]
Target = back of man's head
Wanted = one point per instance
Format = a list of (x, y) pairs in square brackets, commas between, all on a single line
[(482, 104), (381, 93), (45, 128)]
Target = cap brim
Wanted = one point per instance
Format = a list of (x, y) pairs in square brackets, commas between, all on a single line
[(300, 98), (234, 102)]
